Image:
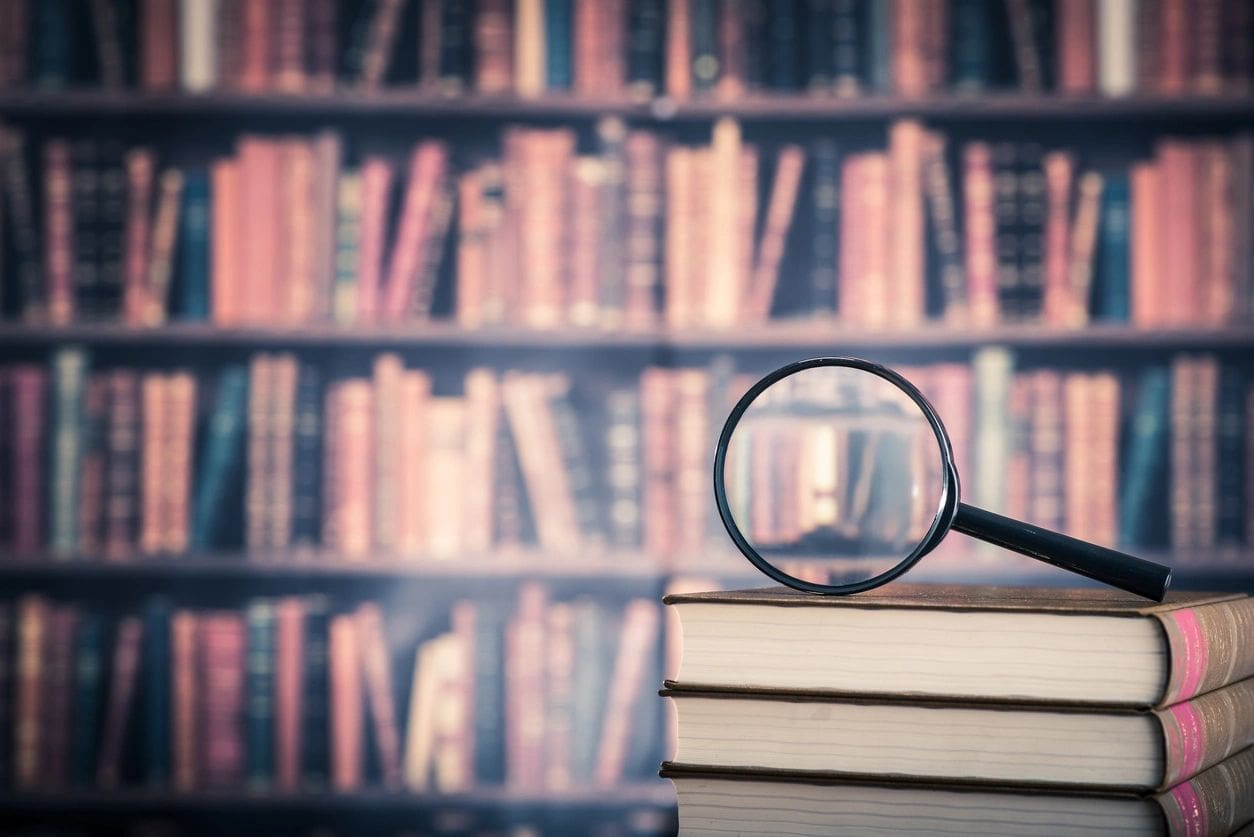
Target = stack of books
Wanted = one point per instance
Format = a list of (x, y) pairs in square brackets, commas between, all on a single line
[(964, 710)]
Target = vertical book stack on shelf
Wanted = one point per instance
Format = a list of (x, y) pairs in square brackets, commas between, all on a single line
[(991, 710)]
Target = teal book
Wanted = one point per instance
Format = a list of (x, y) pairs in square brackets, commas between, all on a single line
[(52, 58), (88, 677), (1113, 266), (596, 643), (1233, 489), (259, 693), (220, 457), (879, 51), (785, 48), (489, 694), (315, 767), (1141, 496), (69, 375), (558, 45), (646, 27), (971, 47), (820, 45), (156, 680), (194, 246)]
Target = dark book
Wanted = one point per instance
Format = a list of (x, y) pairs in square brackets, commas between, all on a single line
[(259, 693), (193, 247), (111, 236), (52, 44), (559, 71), (86, 172), (316, 752), (972, 39), (848, 56), (1009, 233), (753, 14), (123, 673), (489, 693), (19, 210), (1031, 197), (713, 801), (947, 279), (220, 459), (58, 695), (27, 435), (156, 693), (121, 517), (69, 378), (646, 35), (783, 25), (824, 219), (15, 31), (576, 460), (1113, 292), (705, 63), (622, 468), (611, 216), (879, 47), (1232, 493), (456, 33), (8, 681), (307, 458), (88, 685), (820, 42)]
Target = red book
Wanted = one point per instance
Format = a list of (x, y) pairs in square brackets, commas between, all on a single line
[(33, 616), (158, 21), (353, 468), (29, 384), (1178, 226), (58, 232), (289, 691), (91, 492), (981, 234), (524, 691), (1206, 23), (1059, 172), (377, 675), (222, 647), (121, 696), (1076, 29), (909, 65), (428, 166), (493, 40), (260, 205), (376, 174), (1148, 245), (256, 45), (185, 710), (346, 704), (779, 214), (905, 225), (1217, 303), (678, 49), (140, 165), (226, 226)]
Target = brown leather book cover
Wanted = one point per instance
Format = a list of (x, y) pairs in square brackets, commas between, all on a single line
[(58, 232), (1076, 28), (33, 617), (222, 649), (493, 41)]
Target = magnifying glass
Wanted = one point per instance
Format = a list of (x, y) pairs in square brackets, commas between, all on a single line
[(842, 464)]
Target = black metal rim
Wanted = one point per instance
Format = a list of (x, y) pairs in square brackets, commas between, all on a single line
[(946, 508)]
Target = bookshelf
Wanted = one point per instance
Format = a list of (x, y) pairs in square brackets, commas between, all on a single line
[(498, 140)]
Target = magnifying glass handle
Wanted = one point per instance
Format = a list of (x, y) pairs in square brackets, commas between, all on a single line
[(1109, 566)]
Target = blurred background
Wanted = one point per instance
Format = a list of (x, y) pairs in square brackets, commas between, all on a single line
[(362, 362)]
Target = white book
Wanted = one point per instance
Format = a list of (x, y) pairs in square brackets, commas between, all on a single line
[(1116, 46), (198, 44)]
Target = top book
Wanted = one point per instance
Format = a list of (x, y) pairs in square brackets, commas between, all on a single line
[(1087, 646)]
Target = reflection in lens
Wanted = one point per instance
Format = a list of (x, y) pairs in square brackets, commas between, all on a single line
[(834, 475)]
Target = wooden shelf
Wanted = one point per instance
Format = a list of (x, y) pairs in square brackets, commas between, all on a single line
[(415, 104), (126, 801), (820, 336)]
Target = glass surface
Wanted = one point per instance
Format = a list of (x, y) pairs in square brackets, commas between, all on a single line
[(834, 475)]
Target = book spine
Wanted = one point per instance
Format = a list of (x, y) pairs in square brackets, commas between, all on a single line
[(158, 41), (1215, 801), (346, 703), (29, 428), (259, 689), (124, 673), (348, 209), (58, 696), (58, 232), (980, 231), (291, 30), (69, 373), (223, 645), (455, 45), (226, 246), (51, 59), (197, 47), (377, 677), (646, 36), (88, 677), (905, 279), (19, 207), (705, 64), (825, 244), (1202, 732), (942, 215), (1231, 492), (316, 723), (1204, 649), (610, 226), (973, 44), (307, 458), (122, 465), (491, 37), (637, 643), (1113, 271), (645, 208), (88, 228), (160, 265), (33, 613), (531, 48), (14, 42), (176, 458), (156, 698), (185, 668), (139, 178), (1116, 47), (1084, 231), (524, 690), (194, 240), (678, 60), (289, 696)]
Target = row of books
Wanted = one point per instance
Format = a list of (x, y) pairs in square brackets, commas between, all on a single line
[(635, 233), (927, 708), (679, 48), (284, 456), (299, 694)]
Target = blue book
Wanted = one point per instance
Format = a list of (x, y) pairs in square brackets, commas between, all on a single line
[(645, 34), (971, 49), (1233, 489), (220, 457), (786, 49), (259, 693), (596, 642), (88, 672), (1141, 499), (558, 45), (489, 692), (317, 750), (194, 246), (69, 375), (156, 672), (1113, 268), (51, 41), (879, 53), (705, 67)]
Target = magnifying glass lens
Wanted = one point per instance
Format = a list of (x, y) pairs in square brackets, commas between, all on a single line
[(834, 476)]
